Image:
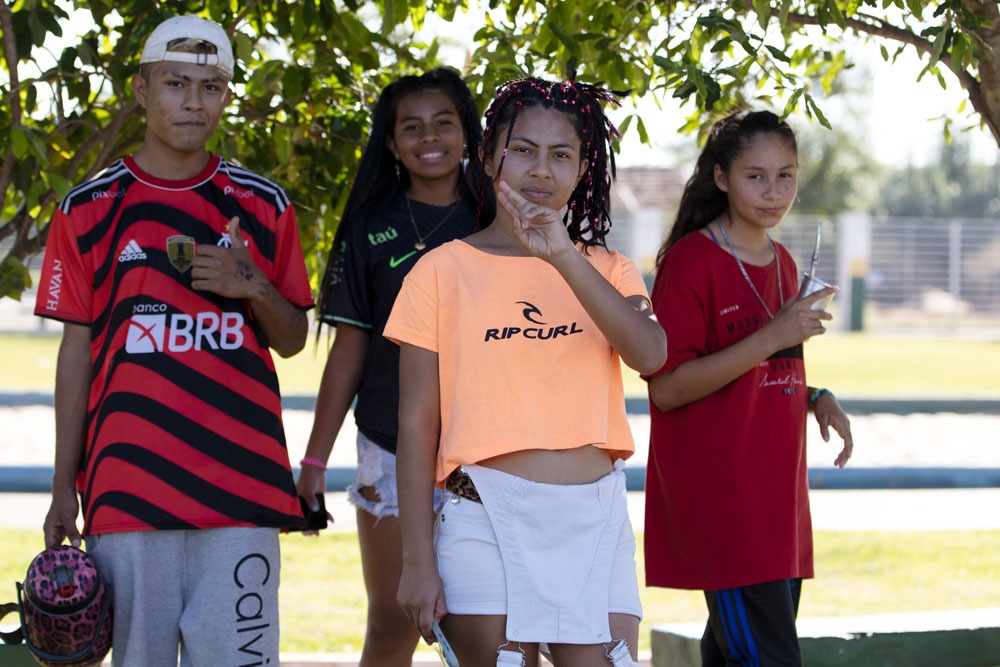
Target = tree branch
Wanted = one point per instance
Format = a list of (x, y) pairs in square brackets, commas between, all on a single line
[(873, 26), (10, 56)]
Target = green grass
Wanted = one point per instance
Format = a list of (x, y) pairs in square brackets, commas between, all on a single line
[(853, 365), (323, 599)]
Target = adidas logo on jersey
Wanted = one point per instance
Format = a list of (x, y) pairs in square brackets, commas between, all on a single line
[(131, 253)]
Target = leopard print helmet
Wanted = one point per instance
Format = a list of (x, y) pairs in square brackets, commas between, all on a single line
[(65, 609)]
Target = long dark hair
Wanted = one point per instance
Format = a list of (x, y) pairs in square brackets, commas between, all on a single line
[(703, 201), (376, 185), (588, 215)]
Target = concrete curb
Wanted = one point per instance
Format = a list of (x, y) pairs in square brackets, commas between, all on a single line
[(957, 638)]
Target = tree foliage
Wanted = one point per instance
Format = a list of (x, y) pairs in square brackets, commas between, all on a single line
[(310, 69), (951, 187)]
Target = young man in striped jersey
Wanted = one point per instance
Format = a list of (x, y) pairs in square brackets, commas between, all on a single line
[(175, 272)]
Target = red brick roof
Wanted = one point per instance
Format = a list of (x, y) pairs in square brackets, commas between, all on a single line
[(640, 188)]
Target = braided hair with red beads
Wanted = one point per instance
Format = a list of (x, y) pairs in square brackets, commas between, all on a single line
[(588, 214)]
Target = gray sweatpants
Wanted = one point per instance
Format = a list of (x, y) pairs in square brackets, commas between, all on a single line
[(213, 593)]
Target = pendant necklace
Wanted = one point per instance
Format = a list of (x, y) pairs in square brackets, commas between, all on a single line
[(420, 244), (777, 268)]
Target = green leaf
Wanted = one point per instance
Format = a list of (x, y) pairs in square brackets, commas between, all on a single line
[(836, 14), (714, 94), (19, 142), (939, 44), (14, 278), (59, 184), (30, 99), (786, 5), (778, 54), (396, 12), (643, 134), (624, 125), (916, 8), (763, 10), (813, 109), (565, 38), (685, 90), (792, 103)]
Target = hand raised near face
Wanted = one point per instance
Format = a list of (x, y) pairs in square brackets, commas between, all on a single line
[(538, 228)]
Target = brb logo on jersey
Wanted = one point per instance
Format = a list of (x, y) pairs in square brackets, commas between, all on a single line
[(532, 314), (153, 329)]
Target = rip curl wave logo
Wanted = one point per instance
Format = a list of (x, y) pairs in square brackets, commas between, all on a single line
[(541, 332), (531, 309)]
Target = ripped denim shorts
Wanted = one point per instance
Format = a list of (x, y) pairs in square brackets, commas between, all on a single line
[(377, 468)]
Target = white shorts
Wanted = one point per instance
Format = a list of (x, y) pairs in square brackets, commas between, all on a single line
[(377, 468), (565, 561)]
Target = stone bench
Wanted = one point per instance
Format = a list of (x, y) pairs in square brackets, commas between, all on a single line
[(957, 638)]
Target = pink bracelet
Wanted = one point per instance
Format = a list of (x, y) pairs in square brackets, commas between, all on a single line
[(316, 463)]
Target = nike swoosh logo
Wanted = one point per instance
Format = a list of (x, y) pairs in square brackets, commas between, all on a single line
[(393, 262)]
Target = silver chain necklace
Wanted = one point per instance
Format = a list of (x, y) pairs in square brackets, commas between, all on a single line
[(420, 244), (743, 270)]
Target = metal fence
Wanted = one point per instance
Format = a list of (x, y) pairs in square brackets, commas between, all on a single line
[(920, 274)]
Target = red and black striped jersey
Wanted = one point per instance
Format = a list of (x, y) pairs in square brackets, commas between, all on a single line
[(184, 418)]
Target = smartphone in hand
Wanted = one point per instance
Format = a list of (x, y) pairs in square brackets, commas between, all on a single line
[(313, 520), (444, 648)]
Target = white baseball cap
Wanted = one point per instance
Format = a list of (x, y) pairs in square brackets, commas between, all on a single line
[(157, 48)]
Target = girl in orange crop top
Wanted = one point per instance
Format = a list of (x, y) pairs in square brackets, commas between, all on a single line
[(547, 155)]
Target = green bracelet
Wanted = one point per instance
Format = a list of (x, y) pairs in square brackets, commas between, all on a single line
[(813, 397)]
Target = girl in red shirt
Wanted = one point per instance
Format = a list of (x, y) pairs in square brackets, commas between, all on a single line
[(727, 506)]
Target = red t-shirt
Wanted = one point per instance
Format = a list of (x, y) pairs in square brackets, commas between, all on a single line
[(726, 486), (184, 423)]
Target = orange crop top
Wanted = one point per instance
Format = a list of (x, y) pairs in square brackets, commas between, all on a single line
[(522, 365)]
